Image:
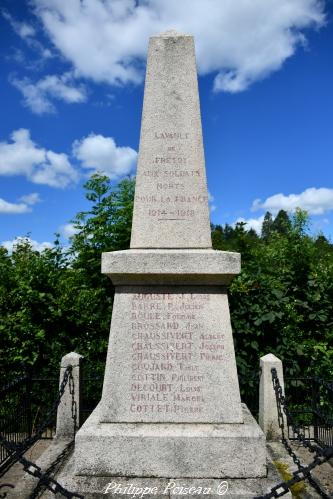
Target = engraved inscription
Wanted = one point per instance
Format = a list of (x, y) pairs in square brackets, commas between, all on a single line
[(170, 352), (172, 166), (171, 135)]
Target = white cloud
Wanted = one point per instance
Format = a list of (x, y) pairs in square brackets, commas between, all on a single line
[(28, 34), (67, 230), (10, 245), (22, 29), (99, 153), (31, 199), (38, 96), (22, 156), (314, 201), (24, 206), (242, 41), (13, 208), (251, 223)]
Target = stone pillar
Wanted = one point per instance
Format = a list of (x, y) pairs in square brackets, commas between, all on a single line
[(268, 416), (65, 422)]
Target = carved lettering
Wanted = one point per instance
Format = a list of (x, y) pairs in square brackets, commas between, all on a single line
[(169, 346), (171, 135)]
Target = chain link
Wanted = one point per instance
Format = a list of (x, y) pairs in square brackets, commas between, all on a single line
[(282, 405), (28, 442), (2, 485), (35, 471), (47, 482), (19, 449), (52, 470), (303, 472), (73, 402)]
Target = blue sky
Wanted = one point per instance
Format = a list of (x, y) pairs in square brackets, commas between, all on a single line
[(71, 96)]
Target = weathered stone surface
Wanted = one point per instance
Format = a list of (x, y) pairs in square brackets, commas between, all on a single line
[(26, 483), (171, 199), (171, 357), (171, 267), (171, 404), (268, 416), (96, 487), (171, 450), (65, 422)]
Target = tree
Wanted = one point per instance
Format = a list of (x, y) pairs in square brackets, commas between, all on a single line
[(267, 225), (281, 223), (105, 227), (57, 300)]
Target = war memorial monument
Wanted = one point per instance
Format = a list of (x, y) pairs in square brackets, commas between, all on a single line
[(170, 407)]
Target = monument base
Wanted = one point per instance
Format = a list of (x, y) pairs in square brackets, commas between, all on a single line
[(165, 488), (190, 450)]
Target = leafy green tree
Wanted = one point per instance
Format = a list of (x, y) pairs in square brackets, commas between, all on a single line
[(107, 224), (57, 300), (267, 225), (280, 302), (281, 223)]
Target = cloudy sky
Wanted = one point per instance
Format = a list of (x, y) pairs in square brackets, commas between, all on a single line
[(72, 76)]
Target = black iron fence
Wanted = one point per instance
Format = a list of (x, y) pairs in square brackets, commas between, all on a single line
[(24, 403), (310, 402), (15, 415), (16, 451), (320, 455), (249, 390), (92, 384)]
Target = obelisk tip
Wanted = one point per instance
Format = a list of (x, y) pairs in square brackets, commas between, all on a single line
[(172, 33)]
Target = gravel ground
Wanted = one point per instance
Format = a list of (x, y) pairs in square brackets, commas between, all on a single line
[(323, 474), (16, 473)]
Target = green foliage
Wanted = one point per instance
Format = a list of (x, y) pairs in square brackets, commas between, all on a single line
[(282, 300), (57, 301)]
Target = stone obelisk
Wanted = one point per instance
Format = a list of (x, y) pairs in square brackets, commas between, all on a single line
[(171, 404)]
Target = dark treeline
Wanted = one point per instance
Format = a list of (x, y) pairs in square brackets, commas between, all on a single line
[(57, 301)]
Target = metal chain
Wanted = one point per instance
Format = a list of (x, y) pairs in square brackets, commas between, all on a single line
[(34, 470), (51, 470), (19, 449), (73, 401), (303, 472), (298, 476), (2, 485), (23, 446), (28, 442), (282, 404)]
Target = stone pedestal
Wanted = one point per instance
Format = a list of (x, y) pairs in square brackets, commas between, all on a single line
[(182, 450), (171, 405)]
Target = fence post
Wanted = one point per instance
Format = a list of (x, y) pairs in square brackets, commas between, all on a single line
[(65, 422), (268, 415)]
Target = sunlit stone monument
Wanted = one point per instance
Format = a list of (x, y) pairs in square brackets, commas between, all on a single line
[(171, 404)]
